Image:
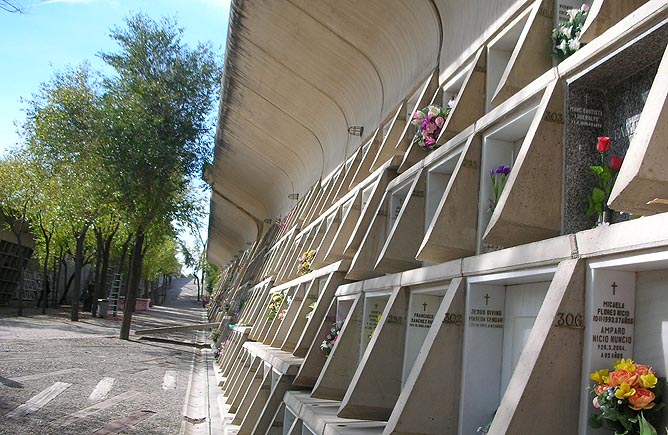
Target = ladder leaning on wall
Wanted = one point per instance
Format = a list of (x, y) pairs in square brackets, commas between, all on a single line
[(115, 292)]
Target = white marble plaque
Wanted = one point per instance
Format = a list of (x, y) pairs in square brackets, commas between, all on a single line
[(421, 314), (612, 317)]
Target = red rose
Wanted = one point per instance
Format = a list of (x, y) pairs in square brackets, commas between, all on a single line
[(615, 163), (603, 144)]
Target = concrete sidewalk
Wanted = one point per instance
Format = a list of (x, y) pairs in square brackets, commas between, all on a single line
[(149, 381), (181, 306)]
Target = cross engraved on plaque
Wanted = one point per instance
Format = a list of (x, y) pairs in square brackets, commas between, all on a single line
[(614, 287), (487, 298), (424, 307)]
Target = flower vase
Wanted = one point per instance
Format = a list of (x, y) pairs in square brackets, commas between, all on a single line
[(603, 218)]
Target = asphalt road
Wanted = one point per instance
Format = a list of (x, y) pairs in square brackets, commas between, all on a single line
[(59, 377)]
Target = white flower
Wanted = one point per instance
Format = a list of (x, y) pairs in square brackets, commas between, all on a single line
[(434, 111), (566, 31), (562, 46), (574, 44), (584, 8), (572, 13)]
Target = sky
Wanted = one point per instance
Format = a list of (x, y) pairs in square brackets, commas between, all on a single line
[(55, 34)]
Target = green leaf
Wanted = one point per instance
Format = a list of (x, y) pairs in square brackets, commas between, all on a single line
[(597, 170), (595, 421), (598, 195), (645, 427)]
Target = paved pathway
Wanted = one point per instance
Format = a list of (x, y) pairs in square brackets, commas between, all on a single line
[(61, 377)]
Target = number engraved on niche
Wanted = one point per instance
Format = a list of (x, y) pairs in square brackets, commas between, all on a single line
[(554, 117), (468, 163), (453, 319), (569, 320)]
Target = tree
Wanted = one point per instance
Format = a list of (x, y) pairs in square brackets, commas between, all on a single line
[(156, 123), (62, 131), (12, 6)]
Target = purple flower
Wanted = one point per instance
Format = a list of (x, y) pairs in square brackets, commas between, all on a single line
[(505, 170)]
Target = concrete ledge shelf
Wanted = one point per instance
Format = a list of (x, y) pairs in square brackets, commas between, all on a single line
[(400, 133), (464, 93), (402, 193), (319, 417), (367, 154), (281, 361), (452, 177), (604, 14), (371, 199)]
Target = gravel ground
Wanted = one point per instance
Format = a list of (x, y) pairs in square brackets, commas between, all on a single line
[(39, 351)]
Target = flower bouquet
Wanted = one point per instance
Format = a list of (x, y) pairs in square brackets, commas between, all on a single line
[(627, 398), (305, 262), (331, 338), (606, 173), (275, 305), (429, 122), (566, 38), (499, 177)]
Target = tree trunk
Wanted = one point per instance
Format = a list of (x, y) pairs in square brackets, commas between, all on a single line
[(124, 253), (78, 266), (56, 273), (105, 267), (98, 270), (45, 273), (133, 284), (68, 281)]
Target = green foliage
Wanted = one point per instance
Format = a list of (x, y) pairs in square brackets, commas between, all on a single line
[(211, 275), (117, 153), (601, 193)]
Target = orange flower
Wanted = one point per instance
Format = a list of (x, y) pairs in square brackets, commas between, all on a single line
[(643, 369), (618, 377), (642, 399)]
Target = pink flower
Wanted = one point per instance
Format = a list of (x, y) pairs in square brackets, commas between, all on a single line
[(439, 121), (430, 141), (431, 127)]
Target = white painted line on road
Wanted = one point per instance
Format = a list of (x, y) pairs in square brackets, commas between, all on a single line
[(101, 389), (39, 400), (124, 424), (87, 412), (46, 374), (169, 381)]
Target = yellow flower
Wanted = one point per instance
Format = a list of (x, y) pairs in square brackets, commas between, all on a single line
[(648, 380), (600, 376), (625, 364), (624, 391)]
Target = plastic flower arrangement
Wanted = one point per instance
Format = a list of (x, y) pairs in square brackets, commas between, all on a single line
[(626, 398), (429, 122), (216, 353), (606, 173), (305, 262), (499, 177), (312, 308), (275, 305), (214, 335), (566, 37), (331, 338)]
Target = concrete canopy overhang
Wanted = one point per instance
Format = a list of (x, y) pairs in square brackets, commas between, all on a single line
[(297, 74)]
